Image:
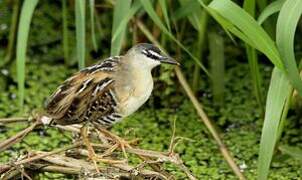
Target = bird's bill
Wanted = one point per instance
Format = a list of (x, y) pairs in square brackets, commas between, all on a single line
[(169, 60)]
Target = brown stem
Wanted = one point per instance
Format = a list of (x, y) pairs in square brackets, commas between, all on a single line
[(18, 137), (228, 157)]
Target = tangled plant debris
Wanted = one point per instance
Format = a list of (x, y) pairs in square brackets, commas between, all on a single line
[(72, 159)]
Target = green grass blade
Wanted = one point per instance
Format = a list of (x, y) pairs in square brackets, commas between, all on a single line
[(253, 32), (195, 13), (255, 75), (250, 6), (199, 20), (287, 22), (121, 26), (216, 48), (269, 10), (92, 24), (80, 32), (187, 8), (151, 12), (262, 4), (27, 10), (199, 48), (121, 10), (163, 6), (65, 31), (278, 94)]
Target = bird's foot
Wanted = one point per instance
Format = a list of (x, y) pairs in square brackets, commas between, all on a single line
[(119, 142)]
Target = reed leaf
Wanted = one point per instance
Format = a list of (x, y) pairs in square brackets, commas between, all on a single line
[(147, 5), (80, 32), (121, 26), (261, 4), (278, 94), (65, 31), (121, 10), (287, 22), (92, 25), (216, 58), (286, 26), (272, 8), (245, 27), (27, 11), (194, 14), (163, 6), (187, 8)]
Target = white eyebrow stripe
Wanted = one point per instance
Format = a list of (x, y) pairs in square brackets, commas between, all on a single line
[(144, 51), (155, 54)]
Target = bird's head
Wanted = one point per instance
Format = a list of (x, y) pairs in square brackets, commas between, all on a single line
[(150, 55)]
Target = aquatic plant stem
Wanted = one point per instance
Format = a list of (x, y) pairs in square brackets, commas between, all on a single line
[(222, 147)]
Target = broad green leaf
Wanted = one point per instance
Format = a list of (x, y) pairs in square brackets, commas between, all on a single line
[(121, 10), (92, 24), (287, 22), (269, 10), (80, 32), (254, 34), (27, 11), (228, 26), (278, 93)]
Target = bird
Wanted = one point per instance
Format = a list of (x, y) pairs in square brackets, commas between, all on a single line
[(105, 93), (108, 91)]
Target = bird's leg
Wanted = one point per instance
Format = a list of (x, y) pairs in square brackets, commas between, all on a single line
[(91, 152)]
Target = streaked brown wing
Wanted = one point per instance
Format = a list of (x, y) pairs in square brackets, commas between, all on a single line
[(78, 97)]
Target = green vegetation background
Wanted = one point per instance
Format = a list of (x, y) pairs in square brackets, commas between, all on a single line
[(239, 119)]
